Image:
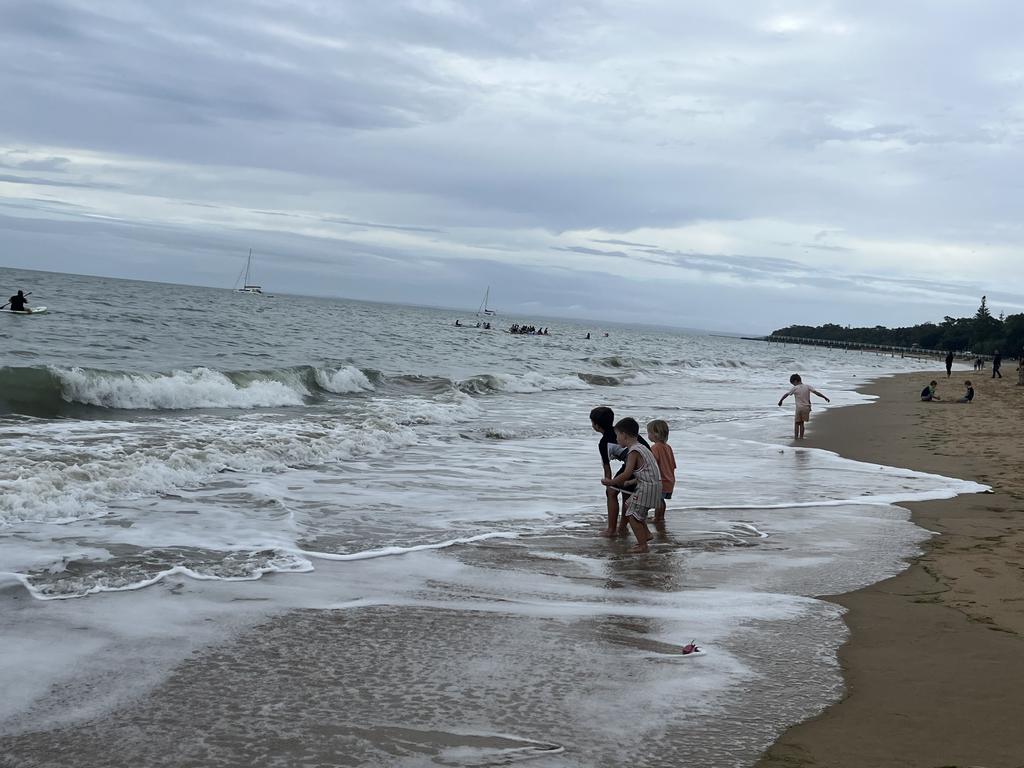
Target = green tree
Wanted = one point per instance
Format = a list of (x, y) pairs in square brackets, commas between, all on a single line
[(986, 330), (1013, 335)]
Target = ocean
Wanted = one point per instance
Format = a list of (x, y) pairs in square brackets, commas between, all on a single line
[(351, 533)]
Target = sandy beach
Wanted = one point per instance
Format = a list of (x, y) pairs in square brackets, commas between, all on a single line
[(934, 663)]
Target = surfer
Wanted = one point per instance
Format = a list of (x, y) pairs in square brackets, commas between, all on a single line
[(18, 303)]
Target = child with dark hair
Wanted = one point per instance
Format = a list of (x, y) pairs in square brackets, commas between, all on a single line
[(642, 467), (928, 393), (802, 397), (602, 419)]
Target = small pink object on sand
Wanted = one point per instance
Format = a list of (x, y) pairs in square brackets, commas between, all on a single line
[(690, 648)]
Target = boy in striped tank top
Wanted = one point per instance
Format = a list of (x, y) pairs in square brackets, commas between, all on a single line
[(642, 467)]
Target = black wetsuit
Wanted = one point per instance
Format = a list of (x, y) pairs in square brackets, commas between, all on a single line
[(18, 303), (996, 362)]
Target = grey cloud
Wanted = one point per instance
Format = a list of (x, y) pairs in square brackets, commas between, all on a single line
[(588, 251), (36, 181), (374, 225), (623, 242), (493, 125)]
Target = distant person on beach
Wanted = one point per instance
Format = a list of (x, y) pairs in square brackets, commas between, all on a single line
[(642, 467), (1020, 370), (802, 396), (19, 303), (928, 393), (949, 364), (997, 361), (657, 433), (968, 395)]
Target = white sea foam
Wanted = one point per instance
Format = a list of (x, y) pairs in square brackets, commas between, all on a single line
[(452, 409), (63, 474), (179, 390), (127, 580), (343, 381)]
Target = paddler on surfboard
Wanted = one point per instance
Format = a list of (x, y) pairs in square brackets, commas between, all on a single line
[(18, 303)]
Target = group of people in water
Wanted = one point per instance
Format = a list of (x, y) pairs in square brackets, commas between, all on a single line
[(647, 477), (479, 324), (645, 480), (529, 330)]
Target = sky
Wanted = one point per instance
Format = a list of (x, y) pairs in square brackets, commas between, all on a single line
[(735, 166)]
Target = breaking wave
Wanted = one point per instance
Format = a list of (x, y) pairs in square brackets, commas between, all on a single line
[(52, 391), (55, 391)]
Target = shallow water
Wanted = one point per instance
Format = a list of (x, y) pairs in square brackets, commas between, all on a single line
[(425, 486)]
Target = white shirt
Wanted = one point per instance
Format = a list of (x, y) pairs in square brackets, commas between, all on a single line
[(802, 394)]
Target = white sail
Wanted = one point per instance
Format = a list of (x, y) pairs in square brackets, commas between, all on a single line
[(247, 286), (484, 309)]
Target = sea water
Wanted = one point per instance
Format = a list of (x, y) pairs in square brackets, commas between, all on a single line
[(185, 468)]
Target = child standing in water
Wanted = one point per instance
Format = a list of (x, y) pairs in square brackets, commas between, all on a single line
[(657, 433), (602, 420), (642, 467), (802, 395)]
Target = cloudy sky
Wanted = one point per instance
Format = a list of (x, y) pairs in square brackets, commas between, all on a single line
[(736, 166)]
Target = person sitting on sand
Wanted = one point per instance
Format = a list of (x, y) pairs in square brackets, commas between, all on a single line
[(928, 393), (642, 467), (802, 397), (968, 395)]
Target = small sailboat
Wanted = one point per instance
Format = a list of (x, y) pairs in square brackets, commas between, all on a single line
[(484, 309), (247, 286)]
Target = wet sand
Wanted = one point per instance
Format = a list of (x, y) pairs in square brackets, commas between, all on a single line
[(935, 663)]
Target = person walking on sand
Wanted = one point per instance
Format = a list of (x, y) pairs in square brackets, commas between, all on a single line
[(997, 360), (949, 364), (642, 467), (802, 396)]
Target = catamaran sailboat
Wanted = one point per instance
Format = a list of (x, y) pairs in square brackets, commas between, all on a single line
[(248, 287)]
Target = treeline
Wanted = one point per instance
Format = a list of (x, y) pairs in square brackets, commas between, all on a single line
[(981, 334)]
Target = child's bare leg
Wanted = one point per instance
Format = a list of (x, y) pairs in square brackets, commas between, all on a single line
[(796, 430), (800, 427), (659, 513), (623, 528), (642, 534), (612, 498)]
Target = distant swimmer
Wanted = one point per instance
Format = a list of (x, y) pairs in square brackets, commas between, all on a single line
[(18, 303)]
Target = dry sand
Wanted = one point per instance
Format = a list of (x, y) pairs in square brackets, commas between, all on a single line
[(935, 663)]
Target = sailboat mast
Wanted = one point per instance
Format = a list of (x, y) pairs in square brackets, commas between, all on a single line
[(248, 268)]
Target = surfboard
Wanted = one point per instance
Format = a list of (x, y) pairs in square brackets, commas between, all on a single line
[(35, 311)]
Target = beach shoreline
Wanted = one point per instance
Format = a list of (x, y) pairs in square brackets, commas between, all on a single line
[(933, 662)]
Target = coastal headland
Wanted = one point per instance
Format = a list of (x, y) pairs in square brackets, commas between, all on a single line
[(935, 659)]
